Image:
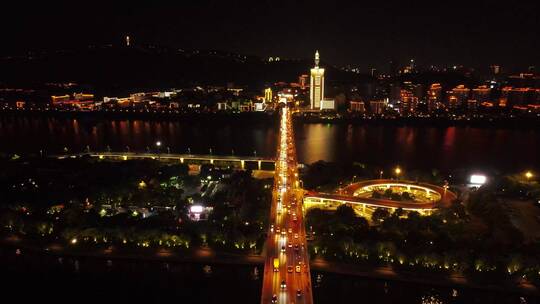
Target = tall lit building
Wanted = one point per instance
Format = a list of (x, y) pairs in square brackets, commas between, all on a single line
[(378, 106), (458, 96), (434, 97), (512, 97), (408, 102), (302, 80), (316, 89), (357, 106), (268, 95), (481, 93)]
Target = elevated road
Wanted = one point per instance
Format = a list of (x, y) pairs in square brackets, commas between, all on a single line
[(358, 195), (287, 277), (241, 162)]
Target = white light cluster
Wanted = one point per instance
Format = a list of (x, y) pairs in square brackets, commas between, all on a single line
[(478, 179)]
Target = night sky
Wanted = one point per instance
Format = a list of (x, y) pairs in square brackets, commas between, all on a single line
[(473, 33)]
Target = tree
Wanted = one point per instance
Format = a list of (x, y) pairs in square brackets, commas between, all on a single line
[(395, 197), (406, 196), (380, 214), (360, 228), (399, 212), (345, 214)]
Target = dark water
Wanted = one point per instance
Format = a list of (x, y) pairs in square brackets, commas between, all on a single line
[(37, 276), (413, 147)]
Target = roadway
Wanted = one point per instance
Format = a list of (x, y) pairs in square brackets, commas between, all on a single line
[(287, 277)]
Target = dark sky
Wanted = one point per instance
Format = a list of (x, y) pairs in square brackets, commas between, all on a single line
[(363, 33)]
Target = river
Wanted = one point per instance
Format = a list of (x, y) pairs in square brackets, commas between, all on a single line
[(443, 148), (40, 276)]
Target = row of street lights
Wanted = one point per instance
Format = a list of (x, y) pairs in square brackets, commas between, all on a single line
[(158, 145)]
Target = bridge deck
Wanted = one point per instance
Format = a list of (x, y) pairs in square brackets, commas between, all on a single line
[(168, 156)]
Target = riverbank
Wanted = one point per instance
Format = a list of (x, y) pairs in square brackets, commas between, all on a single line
[(165, 115), (509, 121), (19, 246), (390, 274)]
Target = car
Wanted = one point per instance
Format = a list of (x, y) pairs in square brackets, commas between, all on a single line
[(298, 293), (297, 269), (283, 284), (289, 269), (296, 235), (277, 230), (272, 228), (274, 299), (290, 230), (290, 245), (294, 218), (296, 247), (283, 248)]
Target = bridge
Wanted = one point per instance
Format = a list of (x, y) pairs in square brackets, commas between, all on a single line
[(287, 277), (428, 197), (239, 162)]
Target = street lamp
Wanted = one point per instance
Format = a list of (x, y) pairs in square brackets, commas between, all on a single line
[(529, 175), (397, 171), (158, 145), (380, 174)]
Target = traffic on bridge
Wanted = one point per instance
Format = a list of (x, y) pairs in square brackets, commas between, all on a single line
[(287, 276)]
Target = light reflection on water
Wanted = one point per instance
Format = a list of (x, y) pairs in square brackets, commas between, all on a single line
[(414, 147)]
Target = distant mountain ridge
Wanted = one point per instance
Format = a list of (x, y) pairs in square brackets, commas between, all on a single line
[(110, 68)]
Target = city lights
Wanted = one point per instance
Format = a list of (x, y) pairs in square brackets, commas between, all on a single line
[(172, 154), (477, 179), (196, 209)]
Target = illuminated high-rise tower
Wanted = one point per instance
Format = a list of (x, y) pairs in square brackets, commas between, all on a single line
[(316, 89), (268, 95)]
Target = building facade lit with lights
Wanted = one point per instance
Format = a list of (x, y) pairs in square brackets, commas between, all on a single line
[(316, 89)]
